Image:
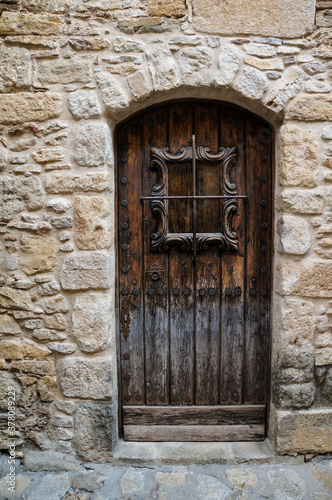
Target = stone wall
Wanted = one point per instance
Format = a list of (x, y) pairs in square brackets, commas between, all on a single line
[(70, 71)]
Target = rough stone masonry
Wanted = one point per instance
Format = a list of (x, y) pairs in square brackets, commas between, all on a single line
[(70, 70)]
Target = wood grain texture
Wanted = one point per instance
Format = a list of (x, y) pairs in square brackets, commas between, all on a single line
[(194, 432), (194, 415), (197, 336), (232, 125)]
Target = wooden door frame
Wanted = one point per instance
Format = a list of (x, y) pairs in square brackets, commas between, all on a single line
[(131, 117)]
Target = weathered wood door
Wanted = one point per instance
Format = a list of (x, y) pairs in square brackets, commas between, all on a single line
[(194, 273)]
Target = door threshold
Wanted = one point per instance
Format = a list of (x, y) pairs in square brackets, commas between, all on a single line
[(185, 453)]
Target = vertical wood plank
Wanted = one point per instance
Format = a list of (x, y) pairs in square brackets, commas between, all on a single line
[(181, 282), (155, 290), (208, 284), (130, 252), (258, 268), (232, 124)]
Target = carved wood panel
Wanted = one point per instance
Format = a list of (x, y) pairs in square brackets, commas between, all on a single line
[(226, 239)]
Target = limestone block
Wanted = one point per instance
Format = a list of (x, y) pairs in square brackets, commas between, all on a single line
[(327, 133), (287, 484), (251, 83), (66, 406), (8, 325), (262, 17), (242, 477), (195, 64), (294, 235), (209, 487), (162, 67), (93, 145), (56, 322), (272, 64), (296, 395), (133, 481), (62, 222), (19, 349), (46, 155), (303, 431), (322, 323), (20, 23), (16, 69), (53, 126), (69, 183), (3, 157), (299, 356), (302, 202), (297, 318), (92, 222), (228, 64), (53, 461), (139, 85), (285, 89), (21, 484), (92, 378), (35, 41), (84, 104), (46, 388), (311, 279), (61, 347), (65, 71), (298, 157), (167, 8), (295, 375), (327, 387), (323, 356), (15, 299), (312, 68), (93, 43), (310, 108), (260, 50), (59, 205), (96, 431), (84, 271), (25, 107), (34, 367), (113, 95), (38, 253), (127, 45), (91, 321), (7, 379), (46, 334), (49, 288), (56, 304), (317, 87)]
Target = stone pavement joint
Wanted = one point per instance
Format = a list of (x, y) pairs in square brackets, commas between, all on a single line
[(283, 479)]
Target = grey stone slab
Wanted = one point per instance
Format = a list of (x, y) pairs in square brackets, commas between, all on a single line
[(50, 487), (249, 451), (188, 453), (49, 461)]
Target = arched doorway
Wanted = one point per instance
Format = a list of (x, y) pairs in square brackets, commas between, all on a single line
[(194, 191)]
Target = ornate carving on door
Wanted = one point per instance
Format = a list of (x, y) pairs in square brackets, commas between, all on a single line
[(226, 239)]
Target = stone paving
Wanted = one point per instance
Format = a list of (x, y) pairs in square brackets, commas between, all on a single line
[(283, 478)]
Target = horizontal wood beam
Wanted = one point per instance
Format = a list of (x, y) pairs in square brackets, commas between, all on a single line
[(194, 432), (194, 415), (324, 5)]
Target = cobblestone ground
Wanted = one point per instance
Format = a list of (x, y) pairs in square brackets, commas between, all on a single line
[(287, 480)]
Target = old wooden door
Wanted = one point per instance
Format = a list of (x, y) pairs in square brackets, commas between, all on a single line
[(194, 273)]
